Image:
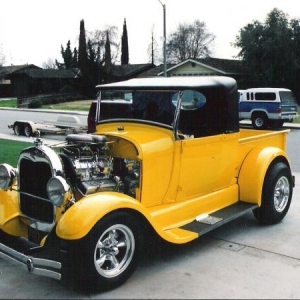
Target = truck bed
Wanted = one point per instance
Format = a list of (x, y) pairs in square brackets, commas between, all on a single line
[(264, 137)]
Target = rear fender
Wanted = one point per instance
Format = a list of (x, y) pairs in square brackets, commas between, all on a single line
[(253, 171)]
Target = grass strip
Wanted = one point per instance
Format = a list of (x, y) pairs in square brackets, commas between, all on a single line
[(10, 150)]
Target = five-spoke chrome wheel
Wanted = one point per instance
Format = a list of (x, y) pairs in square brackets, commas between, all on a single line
[(114, 250), (281, 194)]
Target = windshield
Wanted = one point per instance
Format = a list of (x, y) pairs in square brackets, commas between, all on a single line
[(144, 105), (155, 106)]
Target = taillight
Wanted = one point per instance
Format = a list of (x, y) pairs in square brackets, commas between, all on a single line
[(279, 110)]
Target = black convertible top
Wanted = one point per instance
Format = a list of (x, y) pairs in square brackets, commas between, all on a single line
[(220, 114), (171, 83)]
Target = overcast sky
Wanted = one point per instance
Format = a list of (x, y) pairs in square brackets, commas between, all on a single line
[(32, 31)]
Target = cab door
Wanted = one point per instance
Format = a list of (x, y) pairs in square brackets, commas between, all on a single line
[(207, 164)]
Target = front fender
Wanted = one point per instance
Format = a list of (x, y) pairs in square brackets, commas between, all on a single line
[(79, 219), (253, 171)]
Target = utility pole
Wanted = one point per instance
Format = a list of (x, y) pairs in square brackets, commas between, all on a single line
[(165, 39)]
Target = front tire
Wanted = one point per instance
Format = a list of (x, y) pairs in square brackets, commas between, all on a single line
[(276, 195), (109, 254)]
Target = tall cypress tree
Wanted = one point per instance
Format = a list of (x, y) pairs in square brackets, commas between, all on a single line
[(125, 50), (107, 57), (87, 82), (82, 52)]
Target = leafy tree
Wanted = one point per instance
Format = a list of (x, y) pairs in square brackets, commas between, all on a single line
[(70, 59), (98, 39), (67, 55), (91, 57), (125, 50), (271, 50), (50, 64), (75, 58), (189, 41)]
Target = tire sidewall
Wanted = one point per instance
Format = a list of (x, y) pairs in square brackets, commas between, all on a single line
[(27, 130), (263, 120), (17, 130), (266, 213), (89, 278)]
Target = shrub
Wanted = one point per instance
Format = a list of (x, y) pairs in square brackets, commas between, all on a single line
[(36, 103)]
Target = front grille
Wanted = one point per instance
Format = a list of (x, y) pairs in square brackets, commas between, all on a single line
[(33, 180)]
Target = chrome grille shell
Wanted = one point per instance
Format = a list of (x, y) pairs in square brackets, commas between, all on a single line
[(36, 166)]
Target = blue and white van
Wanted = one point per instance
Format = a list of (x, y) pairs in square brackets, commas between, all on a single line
[(267, 107)]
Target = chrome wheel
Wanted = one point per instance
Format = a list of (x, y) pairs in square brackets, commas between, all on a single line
[(281, 194), (259, 122), (114, 250)]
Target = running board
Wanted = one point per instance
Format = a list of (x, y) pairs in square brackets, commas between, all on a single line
[(206, 223)]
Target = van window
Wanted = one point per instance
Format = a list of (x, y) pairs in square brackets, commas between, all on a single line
[(287, 97), (267, 96), (249, 96)]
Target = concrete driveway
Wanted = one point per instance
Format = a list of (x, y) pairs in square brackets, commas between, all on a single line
[(241, 260)]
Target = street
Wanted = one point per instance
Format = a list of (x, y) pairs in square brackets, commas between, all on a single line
[(241, 260)]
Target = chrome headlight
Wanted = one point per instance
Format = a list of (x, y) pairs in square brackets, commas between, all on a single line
[(8, 176), (58, 190)]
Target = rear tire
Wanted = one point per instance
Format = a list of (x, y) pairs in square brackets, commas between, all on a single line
[(276, 195), (27, 130), (259, 121)]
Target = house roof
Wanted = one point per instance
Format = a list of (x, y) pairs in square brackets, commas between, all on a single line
[(229, 66), (219, 65), (7, 70), (155, 71), (48, 73), (129, 70)]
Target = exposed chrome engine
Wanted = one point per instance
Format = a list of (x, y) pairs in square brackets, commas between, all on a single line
[(84, 165), (94, 168)]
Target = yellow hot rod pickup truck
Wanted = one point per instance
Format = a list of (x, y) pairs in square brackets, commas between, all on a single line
[(176, 163)]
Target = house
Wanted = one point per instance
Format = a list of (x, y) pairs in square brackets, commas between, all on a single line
[(6, 89), (35, 81), (202, 67)]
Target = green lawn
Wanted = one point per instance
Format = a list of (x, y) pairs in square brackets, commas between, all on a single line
[(10, 151), (80, 105), (8, 103)]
